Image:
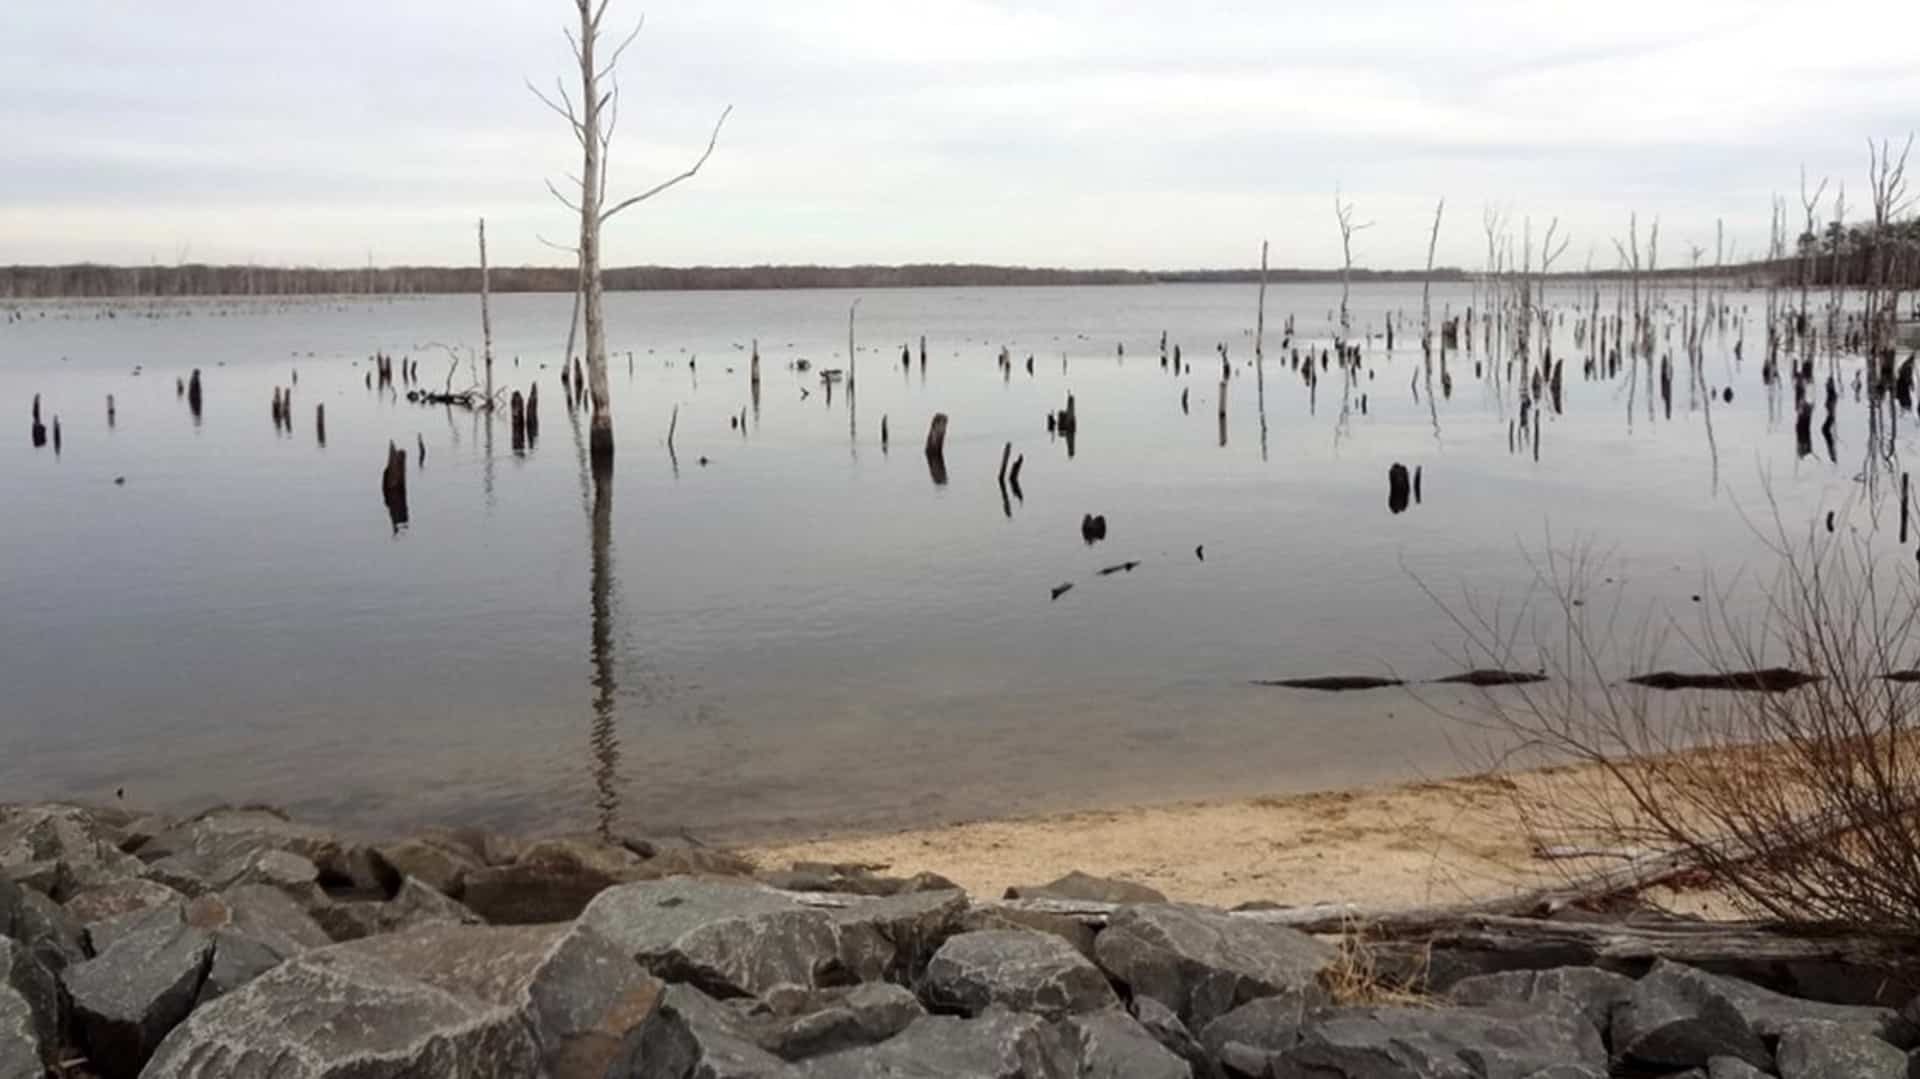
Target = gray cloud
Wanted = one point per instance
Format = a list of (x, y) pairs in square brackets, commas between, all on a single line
[(1056, 132)]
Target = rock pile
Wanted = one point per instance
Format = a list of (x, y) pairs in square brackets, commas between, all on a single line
[(241, 944)]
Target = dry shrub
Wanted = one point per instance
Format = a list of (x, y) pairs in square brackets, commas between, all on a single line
[(1798, 805)]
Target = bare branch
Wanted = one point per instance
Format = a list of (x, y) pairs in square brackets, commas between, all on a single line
[(564, 201), (689, 174), (620, 49), (557, 247)]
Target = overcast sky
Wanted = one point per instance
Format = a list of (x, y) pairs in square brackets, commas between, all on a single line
[(1156, 135)]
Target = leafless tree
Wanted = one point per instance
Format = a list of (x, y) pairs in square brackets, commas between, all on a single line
[(1343, 214), (593, 121)]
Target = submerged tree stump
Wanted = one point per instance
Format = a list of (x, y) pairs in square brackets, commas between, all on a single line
[(193, 393), (1399, 488), (320, 423), (937, 436)]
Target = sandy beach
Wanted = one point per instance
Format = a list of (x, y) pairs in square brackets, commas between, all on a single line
[(1436, 841)]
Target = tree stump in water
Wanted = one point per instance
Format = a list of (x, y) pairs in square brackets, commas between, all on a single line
[(320, 423), (1399, 487), (393, 486), (193, 393), (937, 436), (533, 412), (517, 421)]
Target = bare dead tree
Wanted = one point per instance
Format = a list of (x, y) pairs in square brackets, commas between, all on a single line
[(486, 315), (1426, 284), (1887, 181), (593, 122), (1343, 214)]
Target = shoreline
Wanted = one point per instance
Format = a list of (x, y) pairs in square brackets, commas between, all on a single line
[(1407, 843)]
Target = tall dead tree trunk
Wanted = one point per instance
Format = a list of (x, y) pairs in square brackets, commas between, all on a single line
[(593, 122), (486, 315)]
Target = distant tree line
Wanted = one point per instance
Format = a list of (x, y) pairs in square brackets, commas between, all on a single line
[(196, 279)]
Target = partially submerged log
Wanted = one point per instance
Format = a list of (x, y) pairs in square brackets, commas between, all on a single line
[(193, 393), (1492, 677), (1332, 683), (1765, 680), (393, 486), (1399, 488)]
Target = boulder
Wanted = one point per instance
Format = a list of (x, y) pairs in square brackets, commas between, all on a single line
[(574, 988), (1166, 1028), (60, 849), (127, 895), (1016, 970), (40, 927), (223, 838), (21, 1039), (262, 913), (1814, 1049), (1730, 1068), (1770, 1013), (1071, 930), (126, 999), (1675, 1018), (910, 926), (998, 1045), (439, 863), (413, 906), (1110, 1045), (1594, 993), (805, 1023), (1550, 1040), (29, 995), (102, 937), (692, 1036), (237, 960), (1203, 963), (291, 873), (339, 1013), (736, 939), (184, 873), (1085, 887), (849, 879), (1248, 1039)]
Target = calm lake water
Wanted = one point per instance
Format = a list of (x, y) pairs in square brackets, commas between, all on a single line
[(798, 628)]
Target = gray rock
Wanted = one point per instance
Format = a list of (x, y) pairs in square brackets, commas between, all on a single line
[(415, 905), (913, 925), (1110, 1045), (1821, 1050), (1675, 1018), (339, 1013), (24, 979), (291, 873), (692, 1036), (1731, 1068), (40, 926), (697, 862), (1595, 993), (262, 913), (20, 1038), (221, 839), (433, 860), (237, 960), (995, 1046), (127, 895), (101, 937), (848, 879), (1500, 1042), (60, 849), (574, 989), (1082, 886), (1071, 930), (1166, 1028), (1247, 1039), (735, 939), (1770, 1013), (1203, 963), (184, 873), (126, 999), (809, 1023), (1016, 970)]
